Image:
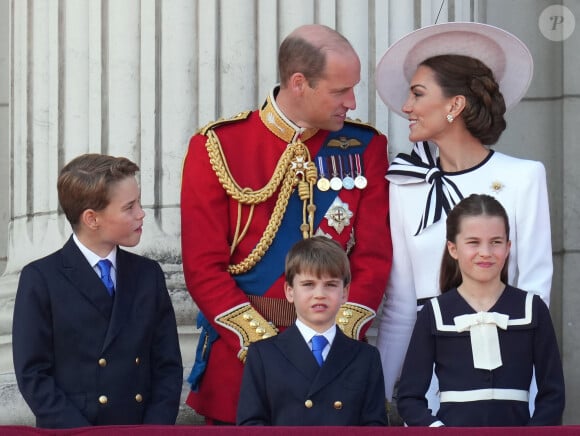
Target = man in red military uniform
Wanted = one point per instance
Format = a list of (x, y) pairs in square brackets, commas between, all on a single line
[(255, 184)]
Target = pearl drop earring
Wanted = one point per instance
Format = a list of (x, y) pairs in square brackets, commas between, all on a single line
[(450, 118)]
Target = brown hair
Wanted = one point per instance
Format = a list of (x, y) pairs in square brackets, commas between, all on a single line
[(85, 182), (474, 205), (485, 106), (305, 50), (318, 255)]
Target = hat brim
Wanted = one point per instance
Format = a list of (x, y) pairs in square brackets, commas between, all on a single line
[(505, 54)]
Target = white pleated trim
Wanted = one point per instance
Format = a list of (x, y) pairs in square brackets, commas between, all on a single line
[(484, 394)]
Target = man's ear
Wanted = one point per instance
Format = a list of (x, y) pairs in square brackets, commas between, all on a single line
[(297, 83)]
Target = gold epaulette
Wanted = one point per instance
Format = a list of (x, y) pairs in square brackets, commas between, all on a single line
[(221, 121), (351, 317), (248, 324), (358, 122)]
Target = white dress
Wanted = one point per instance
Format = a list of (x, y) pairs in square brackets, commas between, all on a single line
[(520, 186)]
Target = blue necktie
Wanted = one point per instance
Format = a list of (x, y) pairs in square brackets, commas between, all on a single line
[(318, 344), (105, 267)]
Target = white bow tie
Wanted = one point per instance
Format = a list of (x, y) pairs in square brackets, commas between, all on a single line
[(482, 327)]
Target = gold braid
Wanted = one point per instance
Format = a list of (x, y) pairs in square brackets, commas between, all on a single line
[(294, 162), (244, 195)]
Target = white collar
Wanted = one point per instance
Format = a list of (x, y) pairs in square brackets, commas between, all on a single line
[(307, 332), (92, 257)]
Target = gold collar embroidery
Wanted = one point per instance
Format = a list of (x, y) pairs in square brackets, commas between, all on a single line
[(279, 125)]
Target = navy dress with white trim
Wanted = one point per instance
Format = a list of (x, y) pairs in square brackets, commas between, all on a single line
[(472, 396)]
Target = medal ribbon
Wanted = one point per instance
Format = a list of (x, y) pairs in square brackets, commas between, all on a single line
[(321, 166), (358, 164), (334, 170), (350, 165)]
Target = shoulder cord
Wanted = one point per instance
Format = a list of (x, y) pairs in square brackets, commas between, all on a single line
[(293, 168)]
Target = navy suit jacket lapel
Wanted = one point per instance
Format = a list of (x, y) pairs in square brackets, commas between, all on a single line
[(124, 296), (84, 279), (341, 354), (293, 346)]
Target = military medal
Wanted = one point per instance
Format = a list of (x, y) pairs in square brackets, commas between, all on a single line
[(323, 183), (348, 181), (360, 181), (335, 181)]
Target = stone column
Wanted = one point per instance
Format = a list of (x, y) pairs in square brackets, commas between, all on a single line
[(4, 112)]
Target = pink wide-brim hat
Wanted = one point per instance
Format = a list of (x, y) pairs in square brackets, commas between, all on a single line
[(506, 55)]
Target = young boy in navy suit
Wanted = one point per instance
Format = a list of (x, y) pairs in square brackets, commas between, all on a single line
[(287, 381), (94, 332)]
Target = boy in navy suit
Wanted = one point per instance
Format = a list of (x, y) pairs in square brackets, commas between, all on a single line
[(312, 373), (94, 332)]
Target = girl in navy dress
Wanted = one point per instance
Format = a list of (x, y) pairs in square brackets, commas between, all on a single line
[(483, 336)]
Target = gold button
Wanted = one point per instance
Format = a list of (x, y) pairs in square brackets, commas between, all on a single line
[(308, 404), (137, 360), (260, 330), (254, 323), (103, 399), (138, 398), (102, 362), (338, 405)]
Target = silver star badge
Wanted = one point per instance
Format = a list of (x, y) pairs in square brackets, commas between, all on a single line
[(338, 215)]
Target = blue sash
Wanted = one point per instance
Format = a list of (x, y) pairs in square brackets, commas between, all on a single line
[(207, 337), (262, 276)]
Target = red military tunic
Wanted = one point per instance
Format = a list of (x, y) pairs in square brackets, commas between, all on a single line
[(252, 144)]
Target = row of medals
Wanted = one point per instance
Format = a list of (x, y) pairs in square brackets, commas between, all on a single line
[(339, 181)]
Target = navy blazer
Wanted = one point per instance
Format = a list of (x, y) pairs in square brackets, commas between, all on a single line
[(283, 385), (82, 358)]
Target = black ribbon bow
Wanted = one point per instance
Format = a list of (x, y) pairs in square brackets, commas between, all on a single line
[(421, 166)]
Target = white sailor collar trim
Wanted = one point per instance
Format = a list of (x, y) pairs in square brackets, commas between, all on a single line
[(526, 320)]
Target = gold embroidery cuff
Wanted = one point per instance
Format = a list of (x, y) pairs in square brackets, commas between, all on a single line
[(352, 317), (248, 324)]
